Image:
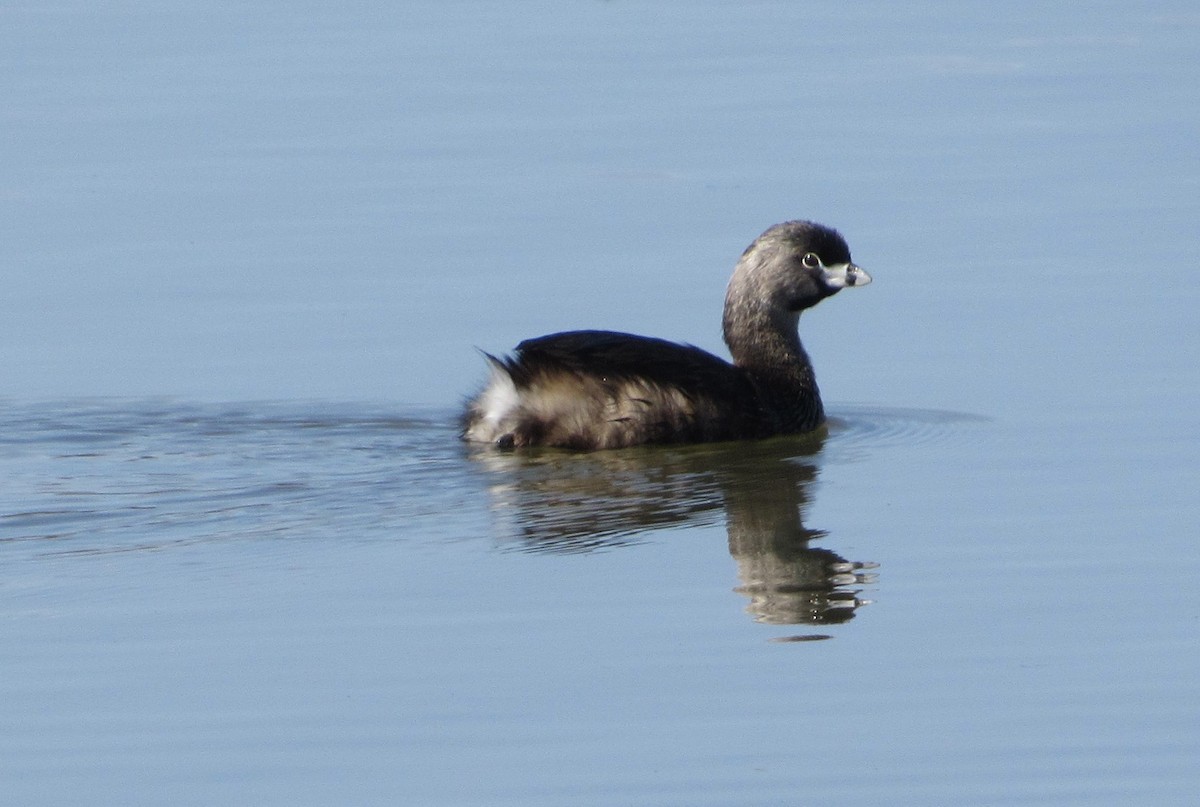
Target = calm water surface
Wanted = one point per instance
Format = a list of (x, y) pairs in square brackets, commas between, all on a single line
[(227, 579), (320, 603)]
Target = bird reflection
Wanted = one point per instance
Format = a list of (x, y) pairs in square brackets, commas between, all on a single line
[(556, 501)]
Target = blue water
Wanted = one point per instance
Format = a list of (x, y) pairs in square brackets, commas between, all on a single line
[(248, 253)]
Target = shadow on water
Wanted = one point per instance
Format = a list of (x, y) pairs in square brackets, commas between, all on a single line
[(555, 501)]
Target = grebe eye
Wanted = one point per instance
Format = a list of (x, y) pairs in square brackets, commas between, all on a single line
[(810, 260)]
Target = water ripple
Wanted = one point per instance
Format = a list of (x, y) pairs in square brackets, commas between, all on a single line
[(854, 427), (113, 475)]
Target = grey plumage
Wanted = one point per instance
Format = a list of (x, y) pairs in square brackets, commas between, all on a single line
[(602, 389)]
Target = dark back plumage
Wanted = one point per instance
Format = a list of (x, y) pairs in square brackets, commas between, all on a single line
[(626, 356)]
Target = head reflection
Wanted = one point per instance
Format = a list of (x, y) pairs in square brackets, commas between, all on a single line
[(555, 501)]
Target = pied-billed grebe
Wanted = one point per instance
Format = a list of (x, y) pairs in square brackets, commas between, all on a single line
[(600, 389)]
